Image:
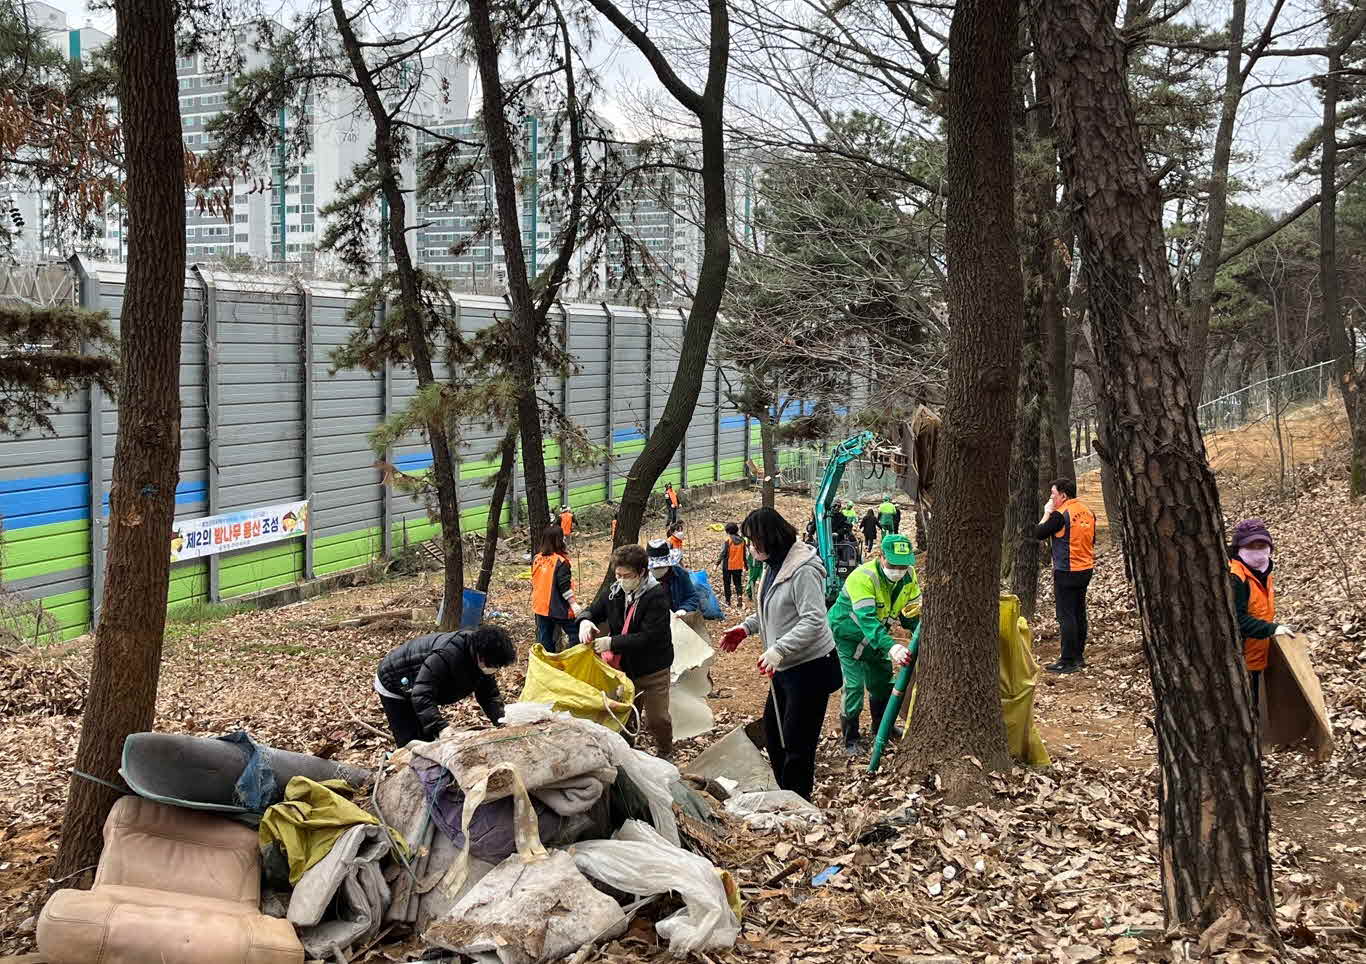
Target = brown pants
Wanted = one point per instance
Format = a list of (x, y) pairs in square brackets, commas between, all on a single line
[(652, 700)]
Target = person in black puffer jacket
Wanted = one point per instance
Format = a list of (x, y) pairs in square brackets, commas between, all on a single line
[(633, 622), (418, 678)]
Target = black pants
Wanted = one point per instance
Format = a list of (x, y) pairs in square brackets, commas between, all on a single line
[(550, 632), (737, 577), (1255, 678), (673, 514), (793, 717), (1069, 600), (869, 542), (403, 721)]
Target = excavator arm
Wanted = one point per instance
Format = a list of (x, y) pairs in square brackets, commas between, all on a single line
[(846, 452)]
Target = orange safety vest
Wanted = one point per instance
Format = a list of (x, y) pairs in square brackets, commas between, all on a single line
[(545, 601), (735, 554), (1261, 603), (676, 542), (567, 523), (673, 498), (1074, 548)]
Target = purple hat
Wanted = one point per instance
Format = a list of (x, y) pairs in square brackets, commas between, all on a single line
[(1250, 530)]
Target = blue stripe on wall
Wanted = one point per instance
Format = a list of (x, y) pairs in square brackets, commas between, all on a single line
[(44, 500)]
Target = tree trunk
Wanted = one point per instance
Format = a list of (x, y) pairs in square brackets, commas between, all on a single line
[(958, 706), (507, 463), (127, 658), (1211, 801), (709, 108), (523, 363), (411, 305), (1349, 379), (1216, 212), (1058, 333), (770, 454)]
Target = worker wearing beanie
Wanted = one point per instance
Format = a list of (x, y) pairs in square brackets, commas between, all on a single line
[(875, 594), (1254, 596)]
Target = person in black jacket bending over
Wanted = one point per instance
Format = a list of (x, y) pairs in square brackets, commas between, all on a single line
[(418, 678), (636, 615)]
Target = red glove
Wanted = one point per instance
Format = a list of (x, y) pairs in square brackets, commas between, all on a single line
[(764, 670), (730, 642)]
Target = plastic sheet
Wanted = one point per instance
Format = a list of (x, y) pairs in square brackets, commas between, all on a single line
[(772, 809), (639, 861), (711, 606)]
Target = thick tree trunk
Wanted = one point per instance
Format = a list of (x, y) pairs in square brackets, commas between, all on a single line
[(1211, 801), (958, 706), (523, 363), (1216, 211), (1058, 338), (411, 305), (127, 657), (1349, 379), (502, 482)]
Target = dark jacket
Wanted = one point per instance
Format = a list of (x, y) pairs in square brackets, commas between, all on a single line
[(869, 525), (435, 670), (649, 646), (683, 592)]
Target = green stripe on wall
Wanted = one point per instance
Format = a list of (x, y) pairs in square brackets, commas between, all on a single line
[(38, 550)]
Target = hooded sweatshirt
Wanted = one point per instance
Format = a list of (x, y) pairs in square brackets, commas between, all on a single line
[(790, 616)]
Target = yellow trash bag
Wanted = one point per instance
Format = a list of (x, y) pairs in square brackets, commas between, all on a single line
[(1019, 673), (577, 681)]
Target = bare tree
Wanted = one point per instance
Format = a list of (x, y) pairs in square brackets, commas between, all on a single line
[(127, 657), (1212, 805), (957, 712)]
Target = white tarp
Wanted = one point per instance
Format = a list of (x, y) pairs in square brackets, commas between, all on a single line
[(691, 682)]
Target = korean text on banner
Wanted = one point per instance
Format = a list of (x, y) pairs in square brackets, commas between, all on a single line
[(238, 530)]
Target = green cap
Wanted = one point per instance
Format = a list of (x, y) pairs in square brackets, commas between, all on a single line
[(896, 549)]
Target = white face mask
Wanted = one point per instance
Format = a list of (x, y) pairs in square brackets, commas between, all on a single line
[(1258, 559), (629, 585), (895, 575), (659, 574)]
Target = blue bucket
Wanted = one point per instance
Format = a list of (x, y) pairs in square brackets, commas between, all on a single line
[(472, 611)]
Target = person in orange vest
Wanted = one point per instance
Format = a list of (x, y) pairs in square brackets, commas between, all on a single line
[(1072, 527), (1254, 596), (733, 561), (566, 521), (552, 589), (671, 502), (675, 535)]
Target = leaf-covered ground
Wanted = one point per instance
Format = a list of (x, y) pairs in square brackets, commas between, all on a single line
[(1063, 868)]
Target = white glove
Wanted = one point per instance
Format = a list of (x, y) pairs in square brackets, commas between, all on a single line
[(770, 660), (586, 631), (1284, 630), (680, 613), (603, 644), (900, 655)]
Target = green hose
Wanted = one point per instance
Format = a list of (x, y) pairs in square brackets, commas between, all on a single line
[(889, 715)]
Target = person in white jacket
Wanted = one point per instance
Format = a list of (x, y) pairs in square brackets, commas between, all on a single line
[(800, 650)]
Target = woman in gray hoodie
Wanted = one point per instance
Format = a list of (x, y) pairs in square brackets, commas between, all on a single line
[(800, 657)]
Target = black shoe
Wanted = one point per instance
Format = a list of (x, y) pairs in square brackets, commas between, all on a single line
[(1066, 669), (849, 730)]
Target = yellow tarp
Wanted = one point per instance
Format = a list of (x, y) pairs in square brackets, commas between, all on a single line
[(577, 681), (1018, 675), (309, 820)]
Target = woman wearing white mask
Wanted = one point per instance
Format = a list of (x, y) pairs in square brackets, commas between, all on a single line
[(636, 615), (1254, 596)]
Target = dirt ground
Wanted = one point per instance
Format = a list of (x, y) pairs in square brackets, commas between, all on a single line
[(293, 681)]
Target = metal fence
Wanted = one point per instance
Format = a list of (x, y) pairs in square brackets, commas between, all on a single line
[(266, 422), (1264, 398)]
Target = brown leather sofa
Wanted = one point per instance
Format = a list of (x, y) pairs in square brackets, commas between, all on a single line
[(173, 886)]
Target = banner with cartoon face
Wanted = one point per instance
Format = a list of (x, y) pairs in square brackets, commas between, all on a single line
[(238, 530)]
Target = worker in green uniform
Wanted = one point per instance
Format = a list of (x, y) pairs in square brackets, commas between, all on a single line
[(875, 594), (889, 516), (851, 514)]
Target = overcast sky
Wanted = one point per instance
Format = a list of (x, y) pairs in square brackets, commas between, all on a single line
[(1271, 121)]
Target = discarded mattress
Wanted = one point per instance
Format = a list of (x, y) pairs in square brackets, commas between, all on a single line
[(1292, 708), (231, 774), (172, 886)]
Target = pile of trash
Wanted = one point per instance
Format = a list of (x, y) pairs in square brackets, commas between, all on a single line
[(518, 844)]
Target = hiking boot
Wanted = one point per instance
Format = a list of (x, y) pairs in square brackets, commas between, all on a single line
[(1066, 669), (878, 710), (849, 730)]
